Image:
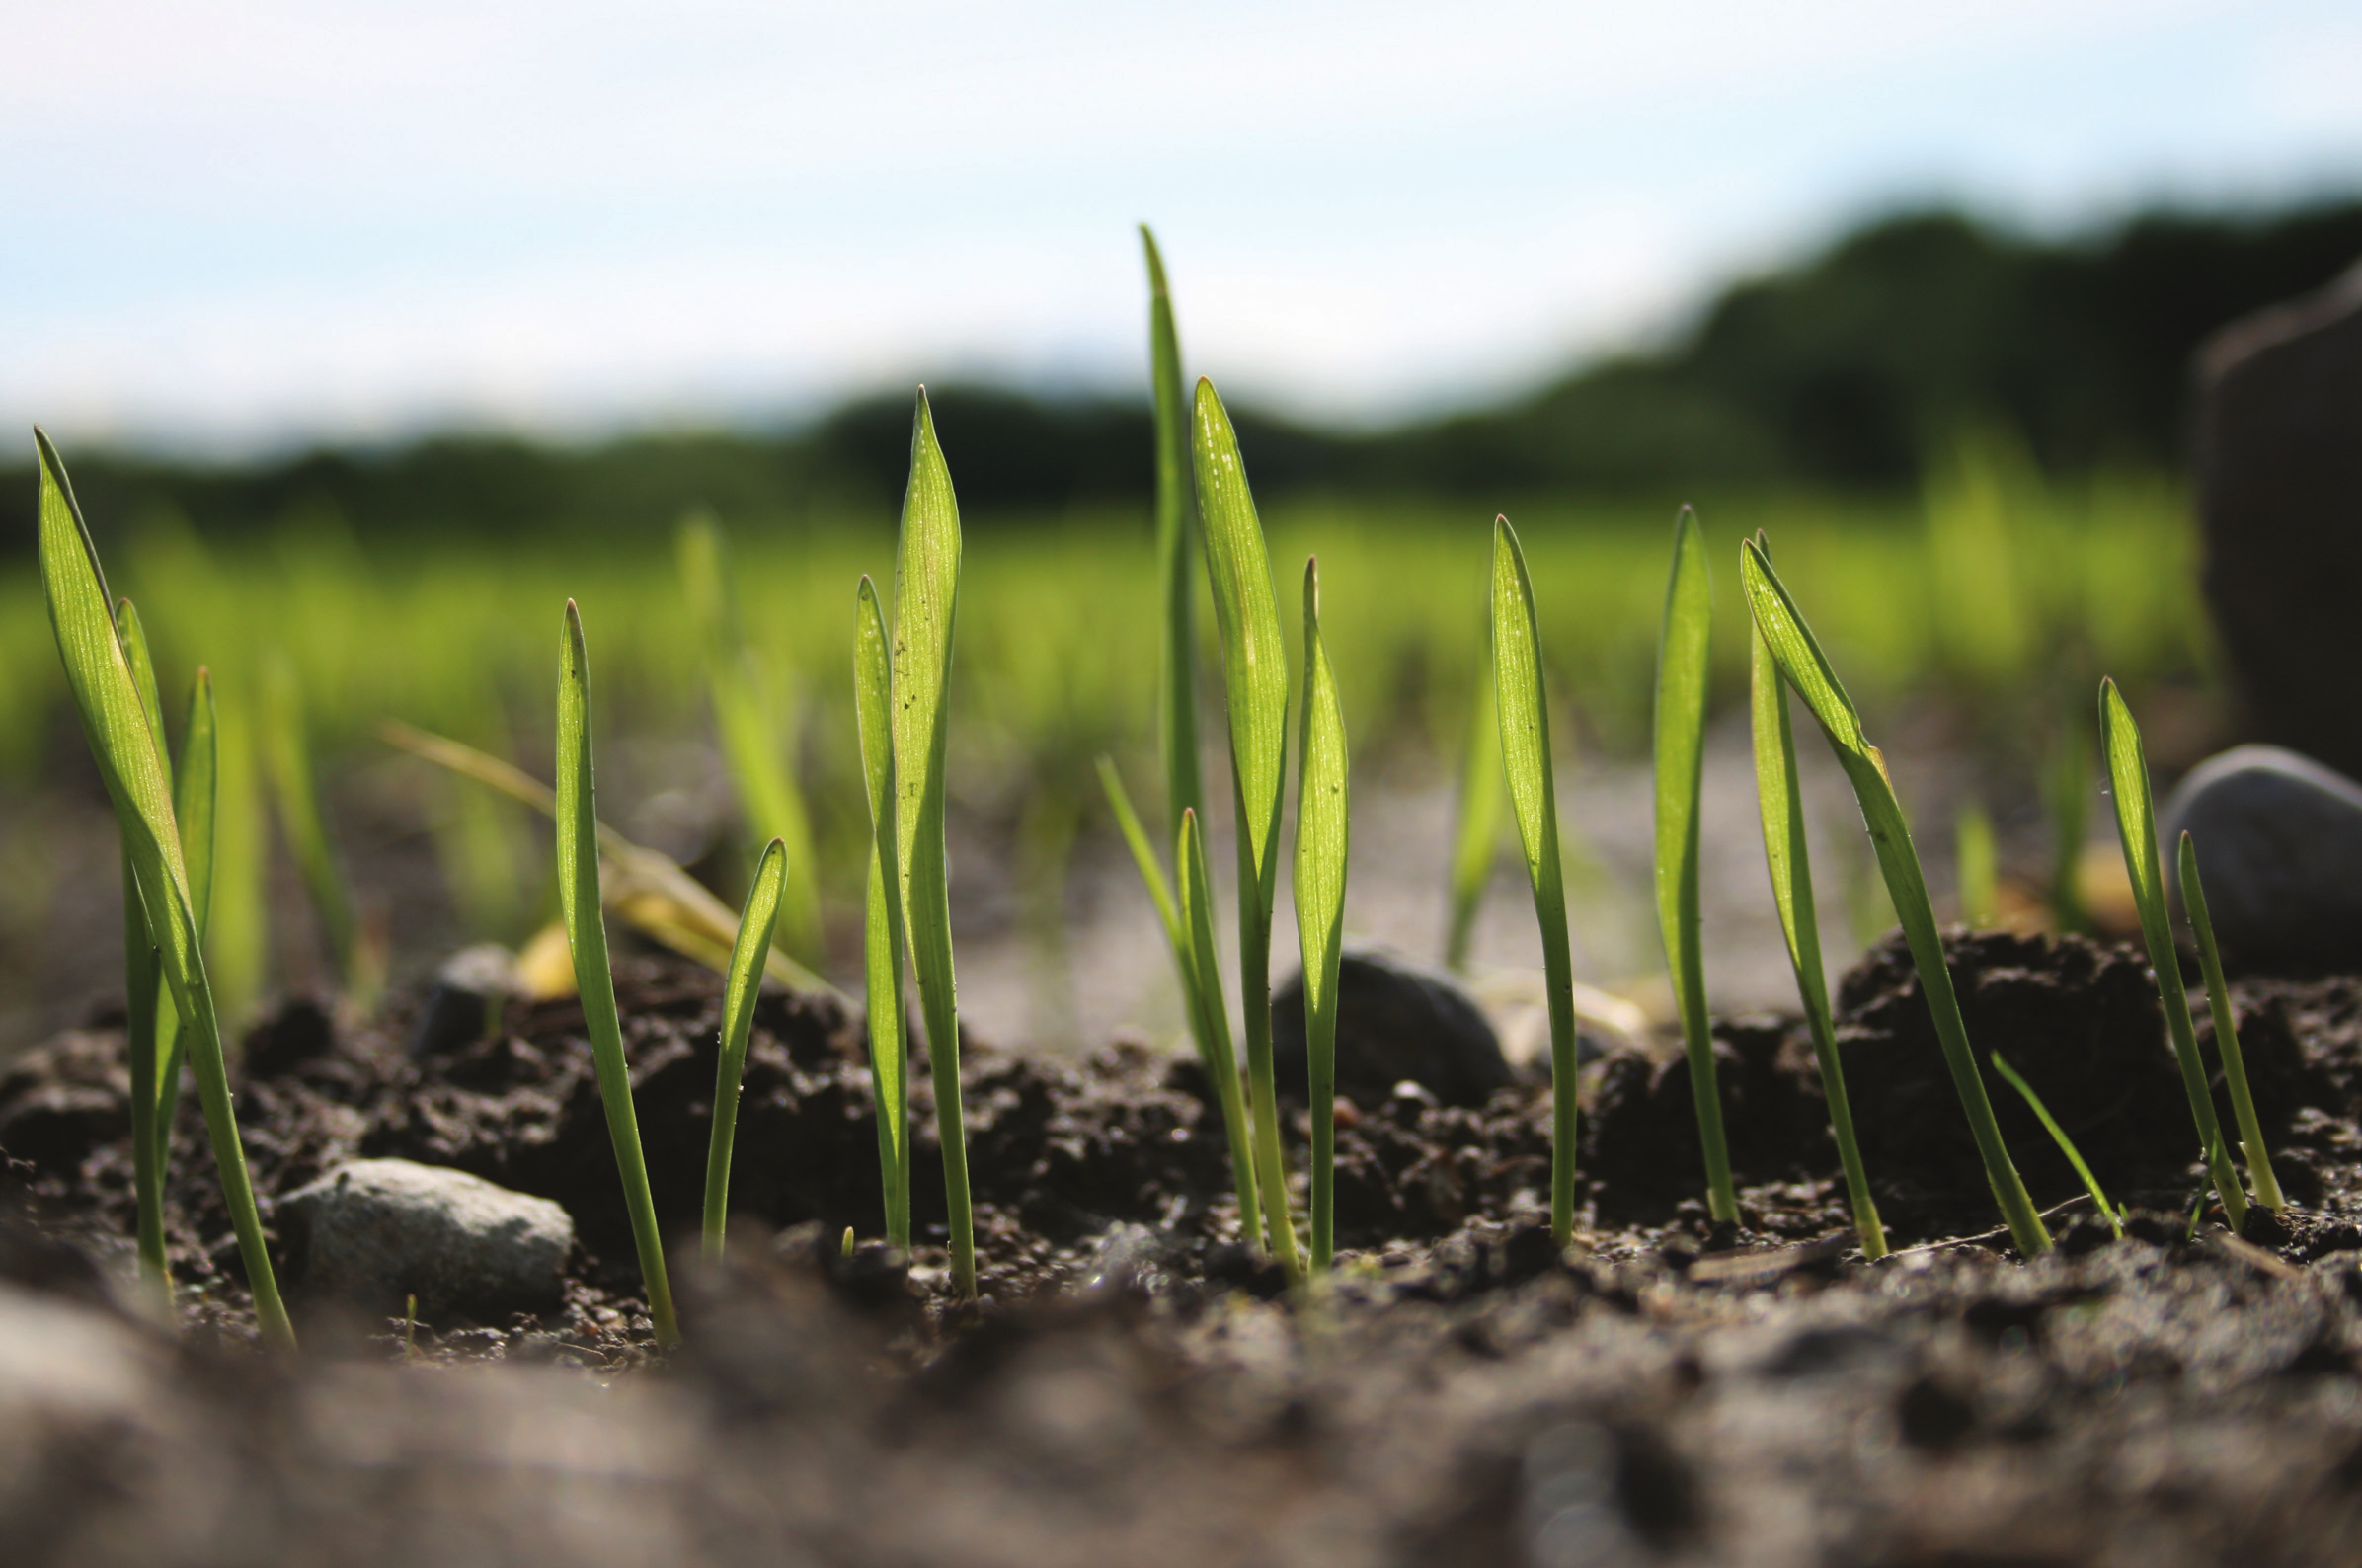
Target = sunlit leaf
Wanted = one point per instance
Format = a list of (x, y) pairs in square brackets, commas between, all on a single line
[(738, 1020), (881, 913), (1321, 842), (2226, 1027), (1177, 683), (1213, 1014)]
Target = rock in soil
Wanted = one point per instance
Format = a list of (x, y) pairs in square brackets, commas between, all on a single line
[(1396, 1020), (2279, 841), (374, 1232)]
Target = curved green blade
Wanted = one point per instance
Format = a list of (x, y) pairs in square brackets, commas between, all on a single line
[(882, 923), (144, 1029), (1681, 744), (1525, 714), (1805, 668), (738, 1020), (2058, 1136), (594, 981), (926, 585), (2136, 830), (1213, 1014), (196, 796), (2217, 1001), (1321, 840), (132, 763), (1177, 687)]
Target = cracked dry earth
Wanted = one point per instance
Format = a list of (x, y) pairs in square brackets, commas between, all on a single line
[(1136, 1387)]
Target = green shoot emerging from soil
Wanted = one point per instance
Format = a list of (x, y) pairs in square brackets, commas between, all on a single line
[(2235, 1065), (1975, 865), (2058, 1134), (130, 760), (1680, 773), (1177, 688), (2136, 827), (586, 940), (143, 984), (1200, 988), (738, 1019), (1321, 836), (1476, 818), (1806, 669), (927, 589), (882, 914), (1255, 676), (1781, 805), (1525, 714)]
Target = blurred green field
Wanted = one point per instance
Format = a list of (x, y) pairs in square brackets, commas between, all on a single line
[(1997, 592)]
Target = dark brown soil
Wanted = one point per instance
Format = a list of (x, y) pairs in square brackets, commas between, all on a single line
[(1135, 1385)]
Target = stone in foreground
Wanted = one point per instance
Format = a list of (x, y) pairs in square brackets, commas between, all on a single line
[(375, 1232), (2279, 840)]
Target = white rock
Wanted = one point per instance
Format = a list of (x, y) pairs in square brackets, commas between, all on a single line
[(377, 1231)]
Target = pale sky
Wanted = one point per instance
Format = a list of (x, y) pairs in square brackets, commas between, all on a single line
[(245, 225)]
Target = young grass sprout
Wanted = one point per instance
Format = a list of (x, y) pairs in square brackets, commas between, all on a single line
[(1321, 838), (2058, 1134), (882, 914), (1806, 669), (1681, 736), (2136, 827), (739, 992), (587, 938), (1781, 804), (1524, 708), (1177, 687), (2235, 1065)]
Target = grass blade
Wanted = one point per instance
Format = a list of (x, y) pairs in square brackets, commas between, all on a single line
[(2136, 829), (286, 754), (132, 763), (1177, 686), (195, 798), (882, 922), (143, 984), (1805, 668), (1681, 744), (738, 1020), (2235, 1066), (1322, 835), (1976, 864), (587, 939), (1525, 714), (1212, 1013), (1476, 815), (2058, 1136), (926, 585), (753, 745), (1255, 677), (1781, 804)]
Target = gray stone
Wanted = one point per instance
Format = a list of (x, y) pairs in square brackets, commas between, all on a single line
[(377, 1231), (2279, 437), (1396, 1020), (2279, 841)]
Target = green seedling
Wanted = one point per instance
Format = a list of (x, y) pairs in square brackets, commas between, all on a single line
[(1321, 840), (926, 585), (196, 790), (1201, 987), (288, 756), (1476, 818), (2058, 1134), (1806, 670), (1177, 689), (130, 758), (1681, 740), (755, 745), (1255, 676), (739, 992), (143, 985), (844, 1248), (881, 913), (2136, 829), (579, 905), (2235, 1066), (1524, 709), (1781, 804), (1976, 864)]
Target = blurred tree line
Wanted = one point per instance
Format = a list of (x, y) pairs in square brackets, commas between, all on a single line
[(1846, 370)]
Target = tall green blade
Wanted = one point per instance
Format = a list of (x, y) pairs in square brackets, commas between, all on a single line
[(2136, 829), (1321, 838), (286, 753), (738, 991), (1177, 688), (1781, 804), (1476, 818), (882, 926), (1681, 743), (754, 743), (926, 585), (1211, 1014), (2235, 1065), (1525, 714), (1806, 669), (143, 984), (196, 790), (1255, 677), (595, 981), (131, 761)]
